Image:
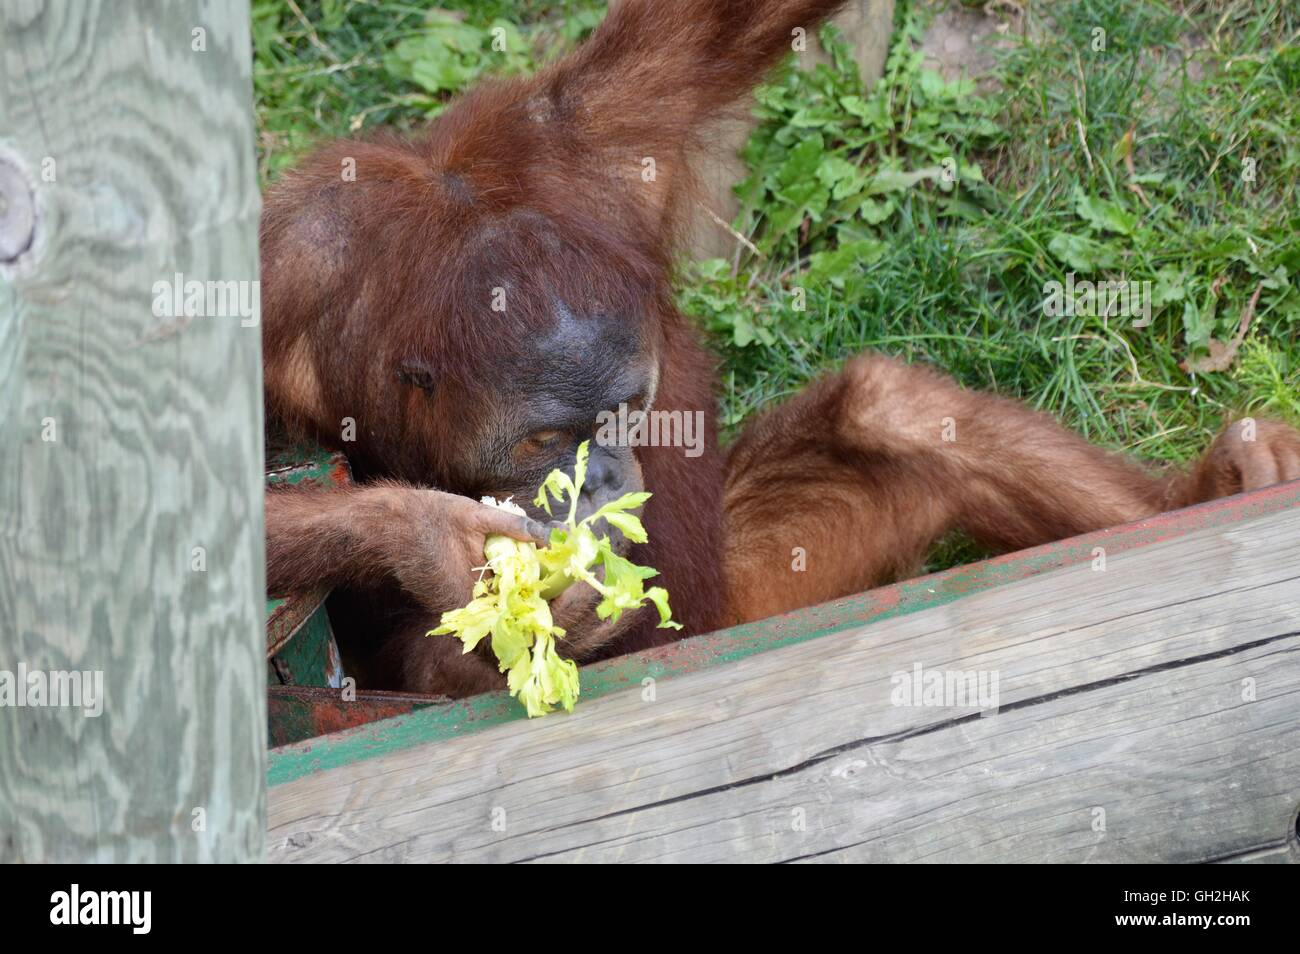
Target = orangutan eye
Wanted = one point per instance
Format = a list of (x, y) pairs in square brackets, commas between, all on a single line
[(540, 441)]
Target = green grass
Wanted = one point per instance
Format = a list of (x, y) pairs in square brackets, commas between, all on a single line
[(864, 243), (329, 68)]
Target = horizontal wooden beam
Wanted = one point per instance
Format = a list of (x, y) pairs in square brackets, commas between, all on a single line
[(1144, 711), (719, 648)]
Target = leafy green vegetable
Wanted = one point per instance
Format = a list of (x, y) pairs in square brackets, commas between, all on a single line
[(512, 605)]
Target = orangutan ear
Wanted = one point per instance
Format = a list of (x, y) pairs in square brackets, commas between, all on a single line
[(417, 373), (643, 92)]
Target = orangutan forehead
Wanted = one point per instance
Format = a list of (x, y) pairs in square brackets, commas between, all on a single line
[(579, 366), (589, 355)]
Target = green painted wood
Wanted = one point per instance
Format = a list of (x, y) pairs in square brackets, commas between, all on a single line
[(131, 537), (311, 657), (286, 616), (300, 645), (715, 649), (294, 461)]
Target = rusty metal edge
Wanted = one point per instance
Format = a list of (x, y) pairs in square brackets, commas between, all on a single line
[(300, 709), (287, 763)]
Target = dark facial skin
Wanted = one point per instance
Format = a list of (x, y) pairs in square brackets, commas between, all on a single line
[(549, 404)]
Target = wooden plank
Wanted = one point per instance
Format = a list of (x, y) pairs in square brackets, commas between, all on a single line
[(131, 538), (726, 646), (1288, 854), (1126, 729)]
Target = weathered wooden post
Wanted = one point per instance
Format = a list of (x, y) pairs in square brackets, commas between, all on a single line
[(131, 546)]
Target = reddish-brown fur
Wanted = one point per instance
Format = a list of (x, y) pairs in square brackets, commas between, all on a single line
[(856, 471), (536, 186)]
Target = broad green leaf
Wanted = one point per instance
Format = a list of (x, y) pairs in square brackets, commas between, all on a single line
[(626, 502), (1197, 325), (835, 266), (1081, 253), (629, 525), (875, 211), (801, 165), (834, 169), (1170, 285), (1103, 214), (895, 180), (659, 597)]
